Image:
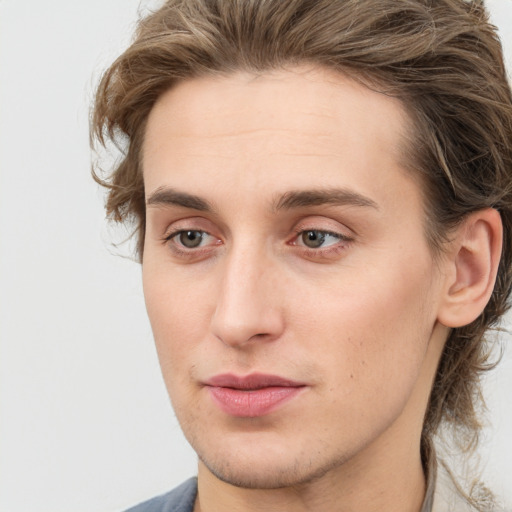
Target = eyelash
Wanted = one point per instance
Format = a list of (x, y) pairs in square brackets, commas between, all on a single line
[(311, 253)]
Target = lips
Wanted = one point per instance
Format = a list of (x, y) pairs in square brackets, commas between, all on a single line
[(253, 395)]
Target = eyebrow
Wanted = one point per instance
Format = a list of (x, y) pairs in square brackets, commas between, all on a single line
[(336, 197), (164, 196)]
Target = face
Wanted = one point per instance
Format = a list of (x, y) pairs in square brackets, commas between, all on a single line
[(288, 281)]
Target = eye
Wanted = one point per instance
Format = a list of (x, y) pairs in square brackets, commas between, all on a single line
[(191, 239), (316, 239)]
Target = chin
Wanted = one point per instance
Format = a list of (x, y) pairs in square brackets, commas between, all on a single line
[(266, 470), (259, 478)]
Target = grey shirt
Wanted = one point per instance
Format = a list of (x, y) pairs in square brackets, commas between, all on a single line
[(180, 499)]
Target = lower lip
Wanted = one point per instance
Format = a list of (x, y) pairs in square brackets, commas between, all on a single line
[(252, 403)]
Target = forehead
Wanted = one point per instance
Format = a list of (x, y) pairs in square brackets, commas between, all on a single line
[(288, 129), (280, 99)]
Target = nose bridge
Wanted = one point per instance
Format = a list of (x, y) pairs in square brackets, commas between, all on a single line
[(246, 305)]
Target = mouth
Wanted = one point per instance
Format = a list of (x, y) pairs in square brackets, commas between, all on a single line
[(252, 395)]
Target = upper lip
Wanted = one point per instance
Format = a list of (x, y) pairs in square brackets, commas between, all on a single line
[(252, 381)]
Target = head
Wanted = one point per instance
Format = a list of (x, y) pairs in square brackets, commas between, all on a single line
[(432, 69)]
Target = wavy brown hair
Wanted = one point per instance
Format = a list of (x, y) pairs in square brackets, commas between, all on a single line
[(441, 58)]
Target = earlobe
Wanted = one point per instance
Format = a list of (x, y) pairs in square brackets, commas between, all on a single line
[(473, 263)]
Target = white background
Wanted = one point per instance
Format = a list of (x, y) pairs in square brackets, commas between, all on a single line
[(85, 422)]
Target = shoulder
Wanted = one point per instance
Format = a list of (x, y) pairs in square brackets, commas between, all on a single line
[(180, 499)]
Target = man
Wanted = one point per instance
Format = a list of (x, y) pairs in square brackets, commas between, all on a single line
[(322, 195)]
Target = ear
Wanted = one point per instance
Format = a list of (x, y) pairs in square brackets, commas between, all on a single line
[(472, 267)]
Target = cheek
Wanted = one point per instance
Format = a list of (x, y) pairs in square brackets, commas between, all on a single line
[(178, 313), (374, 330)]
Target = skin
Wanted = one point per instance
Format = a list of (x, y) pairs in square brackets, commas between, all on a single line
[(356, 320)]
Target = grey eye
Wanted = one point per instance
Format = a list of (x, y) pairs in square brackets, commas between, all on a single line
[(313, 239), (191, 239)]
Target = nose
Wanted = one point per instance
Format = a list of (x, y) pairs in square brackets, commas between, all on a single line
[(248, 307)]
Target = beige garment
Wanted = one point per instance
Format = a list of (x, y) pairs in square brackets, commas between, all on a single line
[(443, 495)]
